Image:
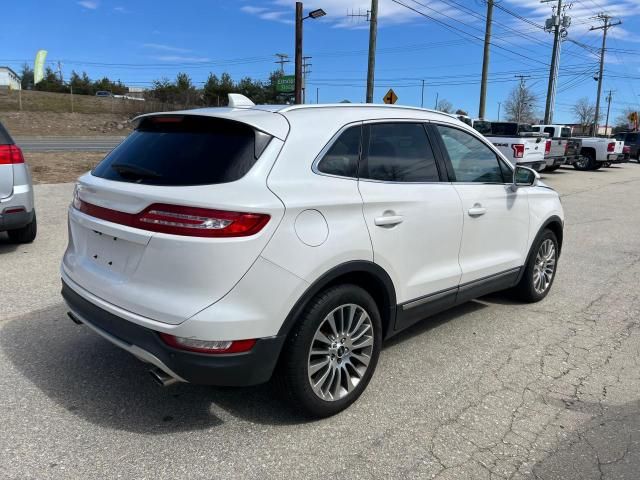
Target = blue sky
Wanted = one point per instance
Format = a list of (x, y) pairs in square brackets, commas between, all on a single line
[(142, 40)]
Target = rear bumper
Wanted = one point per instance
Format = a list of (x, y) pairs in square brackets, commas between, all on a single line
[(537, 166), (616, 158), (241, 369), (11, 220), (21, 200)]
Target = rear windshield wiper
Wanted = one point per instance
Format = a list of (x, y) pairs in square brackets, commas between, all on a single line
[(134, 171)]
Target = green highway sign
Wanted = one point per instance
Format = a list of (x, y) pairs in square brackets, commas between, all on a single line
[(286, 84)]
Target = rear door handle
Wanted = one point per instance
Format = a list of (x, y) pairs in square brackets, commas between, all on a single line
[(477, 210), (388, 220)]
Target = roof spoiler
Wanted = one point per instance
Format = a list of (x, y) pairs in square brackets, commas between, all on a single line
[(237, 100)]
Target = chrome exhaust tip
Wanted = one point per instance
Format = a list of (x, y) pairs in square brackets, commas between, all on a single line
[(162, 378), (74, 319)]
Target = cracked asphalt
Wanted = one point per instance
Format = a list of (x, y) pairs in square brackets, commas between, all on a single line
[(490, 390)]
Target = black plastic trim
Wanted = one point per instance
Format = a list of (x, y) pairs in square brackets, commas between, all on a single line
[(553, 219), (12, 221), (349, 268), (239, 369), (418, 309)]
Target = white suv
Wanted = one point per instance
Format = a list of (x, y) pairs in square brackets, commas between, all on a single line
[(225, 245)]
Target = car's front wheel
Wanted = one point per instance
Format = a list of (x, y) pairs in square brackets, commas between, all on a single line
[(540, 270), (331, 354)]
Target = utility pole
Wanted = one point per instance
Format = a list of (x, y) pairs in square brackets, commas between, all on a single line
[(282, 59), (60, 71), (436, 105), (372, 18), (373, 35), (298, 72), (521, 103), (305, 72), (609, 98), (499, 105), (604, 27), (422, 96), (485, 59), (558, 23)]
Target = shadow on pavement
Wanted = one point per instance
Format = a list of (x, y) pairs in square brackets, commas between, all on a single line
[(107, 386), (606, 447), (6, 245)]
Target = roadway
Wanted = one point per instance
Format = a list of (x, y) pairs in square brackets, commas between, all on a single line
[(58, 143)]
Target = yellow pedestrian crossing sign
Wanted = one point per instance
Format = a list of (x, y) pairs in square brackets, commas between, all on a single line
[(390, 97)]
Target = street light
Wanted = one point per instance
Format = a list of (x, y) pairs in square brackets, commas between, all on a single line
[(299, 18), (316, 14)]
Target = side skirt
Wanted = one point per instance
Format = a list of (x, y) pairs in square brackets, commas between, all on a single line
[(413, 311)]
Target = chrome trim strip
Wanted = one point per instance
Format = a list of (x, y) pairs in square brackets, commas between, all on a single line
[(136, 351)]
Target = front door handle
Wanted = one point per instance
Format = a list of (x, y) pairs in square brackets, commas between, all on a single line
[(388, 220), (477, 210)]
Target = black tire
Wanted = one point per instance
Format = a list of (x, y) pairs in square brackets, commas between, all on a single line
[(26, 234), (292, 377), (585, 162), (526, 290)]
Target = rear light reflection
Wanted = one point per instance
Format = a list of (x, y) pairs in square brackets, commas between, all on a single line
[(208, 346), (611, 147), (179, 220)]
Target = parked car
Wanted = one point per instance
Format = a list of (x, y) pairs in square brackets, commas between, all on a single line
[(563, 150), (17, 212), (632, 140), (222, 245), (103, 93), (597, 152), (517, 142)]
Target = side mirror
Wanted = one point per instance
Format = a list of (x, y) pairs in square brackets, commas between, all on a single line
[(524, 177)]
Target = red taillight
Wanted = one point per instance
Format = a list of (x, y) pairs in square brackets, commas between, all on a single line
[(10, 154), (611, 147), (547, 147), (566, 148), (179, 220), (518, 150), (214, 347)]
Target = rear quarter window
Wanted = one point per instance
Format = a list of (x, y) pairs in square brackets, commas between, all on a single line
[(183, 151)]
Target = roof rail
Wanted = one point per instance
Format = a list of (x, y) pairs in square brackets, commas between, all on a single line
[(236, 100)]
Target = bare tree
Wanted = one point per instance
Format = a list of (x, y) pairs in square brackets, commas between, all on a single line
[(520, 105), (625, 117), (584, 111), (445, 106)]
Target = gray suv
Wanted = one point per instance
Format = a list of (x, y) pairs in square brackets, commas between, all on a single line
[(17, 212)]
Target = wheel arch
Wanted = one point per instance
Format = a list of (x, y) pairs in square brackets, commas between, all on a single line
[(368, 275), (556, 225)]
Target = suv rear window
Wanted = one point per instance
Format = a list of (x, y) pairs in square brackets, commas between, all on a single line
[(184, 150)]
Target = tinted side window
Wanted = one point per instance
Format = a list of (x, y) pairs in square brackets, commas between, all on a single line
[(399, 152), (472, 160), (632, 137), (549, 130), (342, 157)]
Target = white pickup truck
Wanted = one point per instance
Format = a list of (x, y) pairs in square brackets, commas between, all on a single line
[(517, 142), (596, 152), (564, 150)]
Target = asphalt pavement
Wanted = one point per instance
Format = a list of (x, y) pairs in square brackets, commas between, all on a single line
[(56, 144), (492, 389)]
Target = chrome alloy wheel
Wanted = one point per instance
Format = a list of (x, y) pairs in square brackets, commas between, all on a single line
[(545, 266), (340, 352)]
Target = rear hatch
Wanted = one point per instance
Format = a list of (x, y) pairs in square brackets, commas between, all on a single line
[(173, 217), (6, 163)]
